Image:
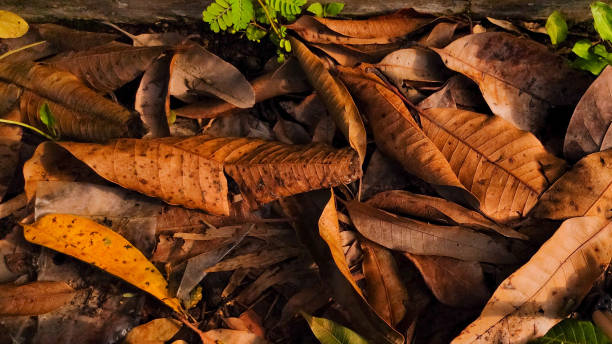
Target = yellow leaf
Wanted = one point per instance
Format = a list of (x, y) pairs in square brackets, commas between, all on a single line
[(12, 25), (102, 247)]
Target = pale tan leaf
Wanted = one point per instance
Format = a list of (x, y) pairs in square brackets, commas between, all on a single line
[(440, 36), (156, 331), (34, 298), (504, 24), (549, 286), (507, 169), (407, 235), (458, 93), (413, 64)]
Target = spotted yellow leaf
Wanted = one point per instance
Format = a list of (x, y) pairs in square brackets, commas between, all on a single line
[(12, 25)]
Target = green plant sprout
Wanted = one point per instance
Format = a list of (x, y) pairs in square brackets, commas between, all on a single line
[(46, 117), (263, 18), (592, 56)]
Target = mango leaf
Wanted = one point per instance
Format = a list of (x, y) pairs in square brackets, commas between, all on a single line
[(520, 79), (335, 96), (549, 286), (156, 331), (572, 331), (12, 25), (107, 67), (556, 27), (602, 16), (34, 298), (191, 171), (153, 98), (329, 332), (100, 246), (407, 235), (589, 129)]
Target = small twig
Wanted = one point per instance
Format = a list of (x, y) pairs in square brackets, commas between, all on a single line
[(265, 8), (11, 52), (8, 121)]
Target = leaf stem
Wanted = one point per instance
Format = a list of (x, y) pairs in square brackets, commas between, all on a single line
[(265, 8), (11, 52), (8, 121)]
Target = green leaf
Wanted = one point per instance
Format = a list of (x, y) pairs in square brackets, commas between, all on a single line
[(253, 33), (287, 8), (602, 14), (594, 66), (328, 332), (242, 13), (217, 16), (572, 331), (46, 117), (582, 48), (333, 9), (556, 27), (592, 59), (316, 9), (12, 25), (172, 118)]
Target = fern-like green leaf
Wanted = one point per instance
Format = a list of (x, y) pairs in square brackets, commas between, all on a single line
[(217, 15), (242, 13), (287, 8)]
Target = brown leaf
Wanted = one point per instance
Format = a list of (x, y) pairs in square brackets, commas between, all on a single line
[(247, 321), (437, 209), (440, 36), (589, 128), (407, 235), (264, 171), (550, 285), (290, 132), (309, 300), (256, 260), (400, 137), (106, 68), (197, 71), (454, 282), (413, 64), (458, 93), (153, 97), (64, 38), (520, 79), (10, 143), (385, 290), (156, 331), (233, 336), (34, 298), (505, 168), (346, 55), (582, 191), (335, 96), (151, 39), (383, 174)]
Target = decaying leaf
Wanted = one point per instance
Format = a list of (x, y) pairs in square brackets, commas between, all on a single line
[(153, 97), (458, 93), (335, 96), (264, 171), (34, 298), (589, 129), (413, 65), (223, 335), (454, 282), (196, 71), (438, 210), (440, 36), (400, 137), (383, 174), (10, 142), (346, 55), (107, 67), (520, 79), (505, 168), (151, 39), (385, 290), (156, 331), (550, 285), (102, 247), (63, 38), (416, 237), (585, 190)]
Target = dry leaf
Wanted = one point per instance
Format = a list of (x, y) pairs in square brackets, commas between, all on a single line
[(102, 247), (153, 97), (550, 285), (440, 36), (383, 174), (458, 93), (582, 191), (520, 79), (10, 143), (310, 299), (196, 71), (151, 39), (504, 24), (589, 128), (34, 298), (31, 54), (407, 235), (346, 55), (413, 64), (335, 96), (505, 168), (400, 137), (290, 132), (63, 38), (264, 171), (232, 336), (454, 282), (260, 259), (438, 210), (156, 331), (106, 68), (385, 290), (247, 321)]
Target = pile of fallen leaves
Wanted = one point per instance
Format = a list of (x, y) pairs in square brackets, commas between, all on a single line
[(400, 179)]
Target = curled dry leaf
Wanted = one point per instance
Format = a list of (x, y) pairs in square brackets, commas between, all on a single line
[(505, 168), (437, 209), (196, 71), (335, 96), (454, 282), (458, 93), (589, 129), (440, 36), (100, 246), (520, 79), (63, 38), (80, 112), (156, 331), (413, 65), (407, 235), (567, 197), (385, 290), (106, 68), (153, 97), (400, 137), (550, 285), (191, 171), (34, 298)]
